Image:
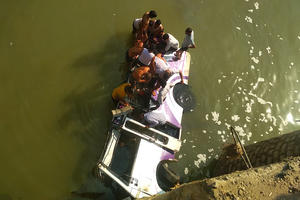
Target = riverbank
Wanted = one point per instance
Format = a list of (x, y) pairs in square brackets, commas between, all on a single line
[(275, 181)]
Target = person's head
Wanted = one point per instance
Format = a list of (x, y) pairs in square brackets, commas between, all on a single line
[(155, 51), (165, 36), (152, 14), (139, 43), (157, 23), (128, 90), (147, 76), (167, 74), (161, 33), (188, 31), (159, 54)]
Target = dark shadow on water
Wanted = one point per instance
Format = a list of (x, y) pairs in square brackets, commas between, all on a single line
[(110, 58), (5, 197), (88, 110), (295, 196)]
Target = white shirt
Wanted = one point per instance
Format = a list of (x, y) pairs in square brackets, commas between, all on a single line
[(136, 23), (188, 40), (146, 57), (172, 42), (163, 92), (160, 66), (155, 118)]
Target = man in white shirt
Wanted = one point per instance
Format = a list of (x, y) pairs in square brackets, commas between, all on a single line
[(136, 25), (142, 23), (154, 118), (161, 67), (187, 43), (172, 43), (145, 57)]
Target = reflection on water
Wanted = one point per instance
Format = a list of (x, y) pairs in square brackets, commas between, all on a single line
[(59, 62)]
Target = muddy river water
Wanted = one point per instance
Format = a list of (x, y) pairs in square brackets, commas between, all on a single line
[(60, 60)]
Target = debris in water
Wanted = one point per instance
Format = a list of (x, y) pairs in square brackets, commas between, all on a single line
[(235, 118), (242, 141), (248, 107), (206, 116), (290, 118), (256, 5), (248, 19), (240, 131), (186, 171), (255, 60), (227, 125), (201, 158), (280, 38), (260, 100), (215, 118), (248, 119), (223, 138), (268, 49), (249, 136)]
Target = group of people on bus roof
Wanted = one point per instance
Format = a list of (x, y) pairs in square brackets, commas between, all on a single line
[(149, 69)]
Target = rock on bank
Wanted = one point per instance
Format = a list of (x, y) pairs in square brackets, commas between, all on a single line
[(275, 181)]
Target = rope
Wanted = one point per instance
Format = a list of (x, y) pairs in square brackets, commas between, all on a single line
[(237, 140)]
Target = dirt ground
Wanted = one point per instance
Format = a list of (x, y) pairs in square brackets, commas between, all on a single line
[(279, 181)]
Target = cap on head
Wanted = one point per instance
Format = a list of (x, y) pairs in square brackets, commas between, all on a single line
[(152, 14), (166, 36), (188, 30), (167, 74), (158, 22)]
